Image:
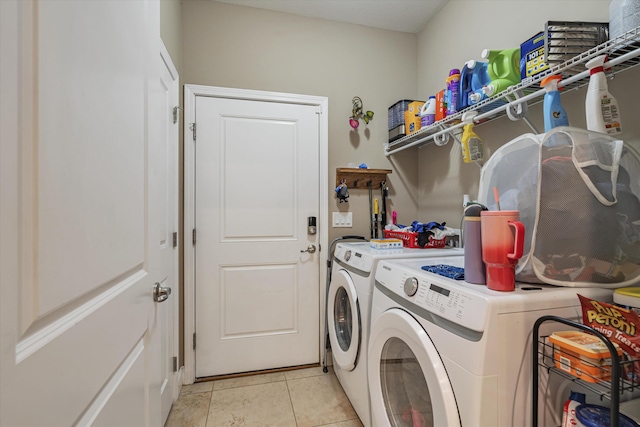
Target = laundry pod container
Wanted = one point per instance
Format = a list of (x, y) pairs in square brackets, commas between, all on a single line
[(628, 297), (598, 416), (631, 408)]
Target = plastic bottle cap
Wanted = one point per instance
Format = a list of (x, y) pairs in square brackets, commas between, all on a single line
[(474, 97), (488, 90), (550, 78)]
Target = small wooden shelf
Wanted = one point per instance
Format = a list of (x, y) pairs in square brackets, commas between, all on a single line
[(360, 178)]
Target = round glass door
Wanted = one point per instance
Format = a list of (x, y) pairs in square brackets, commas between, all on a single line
[(408, 383), (344, 320)]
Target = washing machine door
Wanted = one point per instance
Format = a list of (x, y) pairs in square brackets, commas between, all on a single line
[(343, 311), (407, 380)]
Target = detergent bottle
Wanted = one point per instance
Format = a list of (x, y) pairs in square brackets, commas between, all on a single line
[(569, 410), (479, 79), (601, 107), (453, 87), (466, 75), (472, 146), (428, 112), (553, 112), (503, 69)]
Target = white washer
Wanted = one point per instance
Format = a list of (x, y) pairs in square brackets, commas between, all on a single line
[(444, 352), (348, 308)]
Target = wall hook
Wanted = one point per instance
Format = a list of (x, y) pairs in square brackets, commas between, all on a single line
[(441, 139)]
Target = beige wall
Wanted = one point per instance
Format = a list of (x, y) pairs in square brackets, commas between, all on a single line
[(460, 32), (171, 29), (241, 47)]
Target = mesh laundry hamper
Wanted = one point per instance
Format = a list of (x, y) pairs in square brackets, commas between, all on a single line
[(578, 193)]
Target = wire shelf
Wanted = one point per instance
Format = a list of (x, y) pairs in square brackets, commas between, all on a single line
[(594, 377), (619, 387), (623, 52)]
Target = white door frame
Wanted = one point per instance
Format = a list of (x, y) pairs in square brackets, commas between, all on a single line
[(190, 94), (175, 181)]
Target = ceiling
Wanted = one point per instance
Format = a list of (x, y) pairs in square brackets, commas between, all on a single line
[(408, 16)]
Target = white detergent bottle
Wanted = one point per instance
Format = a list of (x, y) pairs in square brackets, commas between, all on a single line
[(601, 107), (569, 411)]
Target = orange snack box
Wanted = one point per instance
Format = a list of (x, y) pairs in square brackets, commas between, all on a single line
[(582, 355)]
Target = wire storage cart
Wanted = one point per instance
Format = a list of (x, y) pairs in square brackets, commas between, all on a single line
[(550, 358)]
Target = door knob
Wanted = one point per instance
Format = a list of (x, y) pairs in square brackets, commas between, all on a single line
[(311, 249), (160, 293)]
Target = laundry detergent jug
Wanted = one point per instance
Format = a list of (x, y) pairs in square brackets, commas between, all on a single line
[(503, 69)]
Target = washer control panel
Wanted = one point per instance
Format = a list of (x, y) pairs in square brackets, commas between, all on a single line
[(436, 295)]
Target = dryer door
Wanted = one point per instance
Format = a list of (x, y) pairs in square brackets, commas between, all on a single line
[(343, 312), (407, 380)]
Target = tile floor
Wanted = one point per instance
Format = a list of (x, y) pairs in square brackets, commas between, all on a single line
[(301, 398)]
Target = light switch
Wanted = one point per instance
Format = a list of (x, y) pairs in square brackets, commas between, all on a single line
[(343, 219)]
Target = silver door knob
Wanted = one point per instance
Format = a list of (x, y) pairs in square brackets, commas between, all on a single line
[(160, 293), (311, 249)]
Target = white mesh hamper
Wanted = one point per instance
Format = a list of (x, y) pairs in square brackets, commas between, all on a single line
[(578, 193)]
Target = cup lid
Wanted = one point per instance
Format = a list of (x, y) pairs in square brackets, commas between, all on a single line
[(499, 213)]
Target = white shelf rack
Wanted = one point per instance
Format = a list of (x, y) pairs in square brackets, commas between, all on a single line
[(623, 52)]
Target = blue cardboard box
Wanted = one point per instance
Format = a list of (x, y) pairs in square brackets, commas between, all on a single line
[(532, 57)]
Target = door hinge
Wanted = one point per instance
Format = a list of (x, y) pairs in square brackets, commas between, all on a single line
[(318, 109), (175, 364), (175, 114), (193, 237), (194, 340), (175, 239), (192, 126)]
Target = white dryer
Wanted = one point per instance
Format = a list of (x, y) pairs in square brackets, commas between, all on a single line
[(348, 308), (444, 352)]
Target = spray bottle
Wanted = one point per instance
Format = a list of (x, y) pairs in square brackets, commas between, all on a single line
[(472, 147), (601, 107), (553, 112)]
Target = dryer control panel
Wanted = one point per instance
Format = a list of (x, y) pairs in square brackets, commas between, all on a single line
[(359, 260)]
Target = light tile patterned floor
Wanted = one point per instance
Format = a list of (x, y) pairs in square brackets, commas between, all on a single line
[(301, 398)]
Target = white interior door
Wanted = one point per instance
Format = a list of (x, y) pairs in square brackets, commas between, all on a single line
[(257, 182), (80, 214), (165, 176)]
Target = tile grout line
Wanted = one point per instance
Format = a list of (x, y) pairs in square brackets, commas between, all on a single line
[(206, 421), (295, 419)]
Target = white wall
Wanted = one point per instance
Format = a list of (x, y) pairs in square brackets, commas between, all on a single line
[(242, 47), (460, 32)]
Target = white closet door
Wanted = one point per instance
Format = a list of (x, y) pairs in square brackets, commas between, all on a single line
[(80, 216)]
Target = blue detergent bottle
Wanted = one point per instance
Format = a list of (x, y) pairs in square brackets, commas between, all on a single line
[(479, 79), (466, 74), (553, 111)]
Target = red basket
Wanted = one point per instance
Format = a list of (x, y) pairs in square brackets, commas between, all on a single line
[(410, 239)]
